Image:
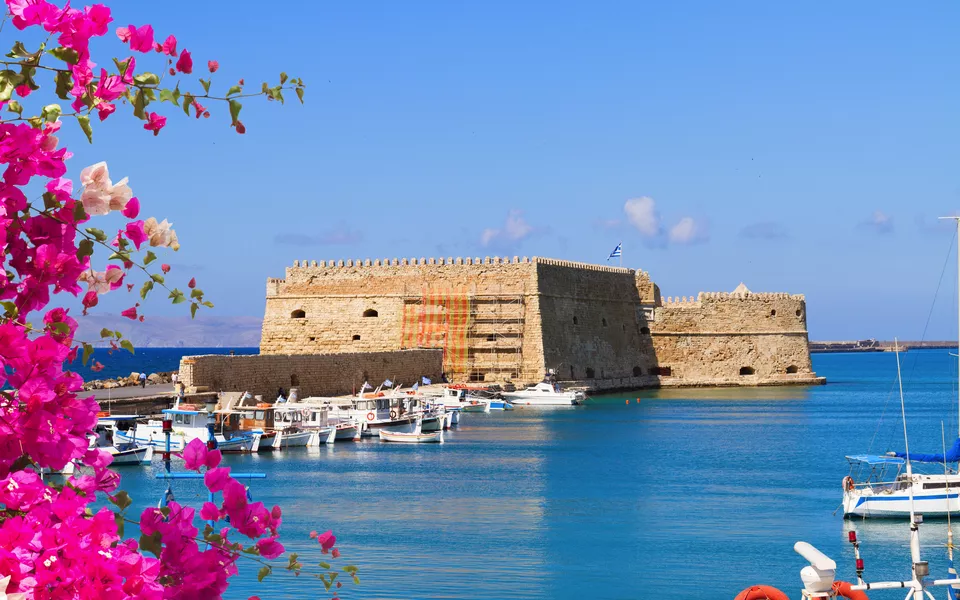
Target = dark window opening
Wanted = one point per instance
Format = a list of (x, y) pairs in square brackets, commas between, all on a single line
[(298, 314), (571, 372), (645, 330), (313, 339), (623, 327), (773, 313), (747, 370), (663, 371), (603, 322), (590, 373), (491, 338), (294, 380), (793, 369), (356, 338), (574, 320), (476, 376), (370, 313), (637, 371), (798, 312)]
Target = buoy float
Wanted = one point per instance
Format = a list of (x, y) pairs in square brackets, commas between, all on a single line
[(761, 592), (842, 590), (628, 400)]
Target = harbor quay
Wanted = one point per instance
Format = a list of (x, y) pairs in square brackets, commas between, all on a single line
[(331, 325)]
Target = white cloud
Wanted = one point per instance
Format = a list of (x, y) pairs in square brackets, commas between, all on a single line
[(642, 214), (514, 229), (688, 231), (879, 222)]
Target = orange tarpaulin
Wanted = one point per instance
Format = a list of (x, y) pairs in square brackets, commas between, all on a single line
[(440, 320)]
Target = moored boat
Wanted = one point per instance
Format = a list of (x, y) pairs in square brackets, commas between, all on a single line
[(545, 394), (417, 436)]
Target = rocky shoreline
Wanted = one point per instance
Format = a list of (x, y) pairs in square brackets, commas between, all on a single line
[(131, 380)]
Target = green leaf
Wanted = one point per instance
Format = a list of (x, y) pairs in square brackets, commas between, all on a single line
[(19, 50), (15, 107), (122, 65), (193, 310), (151, 543), (300, 94), (84, 121), (127, 345), (100, 235), (50, 201), (51, 112), (106, 333), (265, 88), (170, 96), (147, 79), (84, 249), (121, 500), (147, 286), (177, 296), (325, 565), (350, 569), (118, 519), (234, 90), (87, 352), (157, 277), (187, 101), (206, 85), (207, 303), (139, 106), (149, 258), (262, 573), (67, 55), (78, 213), (64, 84), (196, 293), (60, 328), (10, 309), (235, 107), (283, 78)]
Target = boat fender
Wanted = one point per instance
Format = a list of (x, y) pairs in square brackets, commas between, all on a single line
[(848, 484), (842, 590), (761, 592), (371, 416), (393, 414)]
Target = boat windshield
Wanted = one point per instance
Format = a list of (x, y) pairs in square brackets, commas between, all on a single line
[(872, 468)]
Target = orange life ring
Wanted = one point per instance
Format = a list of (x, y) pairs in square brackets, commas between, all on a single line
[(848, 483), (842, 590), (371, 416), (103, 413), (761, 592)]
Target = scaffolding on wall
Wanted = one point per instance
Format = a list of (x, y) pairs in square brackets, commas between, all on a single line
[(481, 333)]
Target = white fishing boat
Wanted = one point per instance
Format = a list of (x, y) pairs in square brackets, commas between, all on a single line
[(190, 423), (319, 414), (105, 438), (417, 436), (545, 394), (299, 426)]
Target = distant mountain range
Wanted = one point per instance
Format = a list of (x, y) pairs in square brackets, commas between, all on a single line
[(172, 332)]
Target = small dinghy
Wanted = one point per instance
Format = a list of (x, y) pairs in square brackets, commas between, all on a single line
[(417, 436)]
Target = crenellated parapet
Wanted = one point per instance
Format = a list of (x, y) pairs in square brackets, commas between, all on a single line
[(448, 261)]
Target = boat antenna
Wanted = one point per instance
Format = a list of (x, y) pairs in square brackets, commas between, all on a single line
[(956, 219), (917, 571)]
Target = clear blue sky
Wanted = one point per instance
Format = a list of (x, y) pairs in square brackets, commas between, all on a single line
[(812, 145)]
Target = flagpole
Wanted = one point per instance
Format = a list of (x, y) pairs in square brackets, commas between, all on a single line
[(621, 254)]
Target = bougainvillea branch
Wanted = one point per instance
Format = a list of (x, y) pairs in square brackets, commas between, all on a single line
[(57, 540)]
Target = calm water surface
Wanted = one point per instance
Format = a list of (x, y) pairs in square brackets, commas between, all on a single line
[(611, 500)]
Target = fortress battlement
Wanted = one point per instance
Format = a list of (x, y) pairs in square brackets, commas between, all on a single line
[(459, 261)]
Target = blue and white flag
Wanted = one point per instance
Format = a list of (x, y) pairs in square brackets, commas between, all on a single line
[(416, 386), (366, 386), (617, 252), (426, 381), (387, 383)]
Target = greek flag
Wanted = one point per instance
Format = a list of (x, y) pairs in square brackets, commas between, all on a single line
[(426, 381), (387, 383), (617, 252), (416, 386), (366, 386), (953, 575)]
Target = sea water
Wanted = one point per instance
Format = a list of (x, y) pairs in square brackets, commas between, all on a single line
[(693, 493)]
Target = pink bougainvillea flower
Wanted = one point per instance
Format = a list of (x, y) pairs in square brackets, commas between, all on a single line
[(169, 46), (335, 553), (105, 109), (23, 90), (216, 479), (132, 209), (165, 268), (96, 367), (185, 63), (134, 231), (269, 547), (155, 123), (109, 87), (327, 540), (130, 313), (192, 283), (313, 534), (141, 40), (209, 512), (199, 108), (213, 65), (90, 299), (124, 34), (160, 234), (241, 129)]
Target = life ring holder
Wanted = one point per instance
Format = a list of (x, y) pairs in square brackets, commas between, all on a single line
[(761, 592), (371, 416), (848, 484), (393, 415)]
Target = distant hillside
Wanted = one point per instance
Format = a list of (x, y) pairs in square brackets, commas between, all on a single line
[(171, 332)]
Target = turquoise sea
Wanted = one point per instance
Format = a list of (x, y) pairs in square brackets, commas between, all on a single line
[(684, 494)]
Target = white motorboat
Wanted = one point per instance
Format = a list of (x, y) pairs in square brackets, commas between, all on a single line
[(544, 394), (123, 453), (417, 436), (140, 455)]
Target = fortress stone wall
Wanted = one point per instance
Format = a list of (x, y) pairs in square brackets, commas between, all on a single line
[(498, 319)]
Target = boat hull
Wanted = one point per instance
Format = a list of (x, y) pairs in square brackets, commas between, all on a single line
[(545, 400), (142, 455), (411, 437), (896, 505)]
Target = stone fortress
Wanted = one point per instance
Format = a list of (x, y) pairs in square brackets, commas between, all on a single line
[(501, 319)]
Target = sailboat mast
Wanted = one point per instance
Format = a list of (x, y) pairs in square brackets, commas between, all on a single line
[(914, 526)]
